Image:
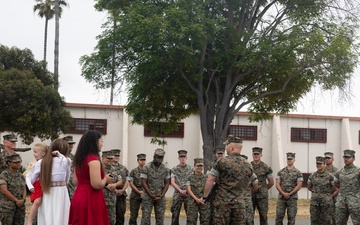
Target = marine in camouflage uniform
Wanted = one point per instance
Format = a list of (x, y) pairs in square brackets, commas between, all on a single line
[(136, 189), (9, 145), (12, 206), (219, 153), (264, 173), (348, 200), (329, 159), (121, 194), (109, 189), (179, 175), (288, 183), (232, 175), (155, 180), (321, 184), (70, 186), (253, 187), (195, 188)]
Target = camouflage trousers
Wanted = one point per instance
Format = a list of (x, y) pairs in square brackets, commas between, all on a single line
[(177, 202), (249, 211), (343, 211), (322, 214), (282, 205), (135, 202), (13, 217), (146, 208), (194, 210), (228, 214), (262, 205), (111, 207), (120, 210)]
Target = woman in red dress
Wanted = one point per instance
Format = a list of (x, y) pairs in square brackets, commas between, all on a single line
[(88, 203)]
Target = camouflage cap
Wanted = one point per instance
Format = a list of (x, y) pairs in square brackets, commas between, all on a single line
[(329, 154), (320, 159), (220, 150), (290, 155), (69, 139), (244, 156), (13, 158), (232, 139), (182, 153), (198, 161), (141, 156), (159, 152), (257, 150), (349, 153), (10, 137), (107, 154), (116, 151)]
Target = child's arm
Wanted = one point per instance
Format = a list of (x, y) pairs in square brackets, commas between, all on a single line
[(28, 181), (36, 173)]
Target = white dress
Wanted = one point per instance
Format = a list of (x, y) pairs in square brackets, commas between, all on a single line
[(55, 206)]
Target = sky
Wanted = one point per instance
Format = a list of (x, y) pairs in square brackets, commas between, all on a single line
[(80, 24)]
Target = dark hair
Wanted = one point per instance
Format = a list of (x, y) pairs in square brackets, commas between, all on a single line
[(47, 162), (88, 145)]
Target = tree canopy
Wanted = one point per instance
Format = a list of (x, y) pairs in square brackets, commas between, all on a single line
[(214, 57), (30, 106)]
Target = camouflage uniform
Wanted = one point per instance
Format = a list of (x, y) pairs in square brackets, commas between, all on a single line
[(110, 196), (3, 164), (260, 198), (321, 203), (348, 200), (10, 214), (181, 175), (233, 174), (333, 171), (71, 187), (288, 181), (135, 198), (249, 206), (197, 184), (121, 200), (155, 179)]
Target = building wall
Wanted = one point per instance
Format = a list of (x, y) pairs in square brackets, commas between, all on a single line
[(274, 136)]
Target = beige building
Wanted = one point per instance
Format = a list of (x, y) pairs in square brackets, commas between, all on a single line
[(306, 135)]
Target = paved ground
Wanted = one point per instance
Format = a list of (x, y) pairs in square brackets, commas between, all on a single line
[(271, 221)]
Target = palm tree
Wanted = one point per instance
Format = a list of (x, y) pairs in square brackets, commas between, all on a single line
[(46, 9)]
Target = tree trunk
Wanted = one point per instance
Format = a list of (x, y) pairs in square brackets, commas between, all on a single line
[(56, 51), (45, 41)]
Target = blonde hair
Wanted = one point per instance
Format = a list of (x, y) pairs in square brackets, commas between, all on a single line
[(42, 147)]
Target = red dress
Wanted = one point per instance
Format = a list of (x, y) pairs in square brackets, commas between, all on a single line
[(88, 204), (37, 191)]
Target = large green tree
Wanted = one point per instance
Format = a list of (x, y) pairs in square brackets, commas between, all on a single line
[(30, 106), (214, 57)]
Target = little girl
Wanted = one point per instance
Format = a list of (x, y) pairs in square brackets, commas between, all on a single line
[(40, 151)]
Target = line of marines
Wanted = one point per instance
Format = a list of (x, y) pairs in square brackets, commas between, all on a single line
[(229, 193)]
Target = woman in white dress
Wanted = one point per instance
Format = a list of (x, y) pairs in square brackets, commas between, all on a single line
[(55, 174)]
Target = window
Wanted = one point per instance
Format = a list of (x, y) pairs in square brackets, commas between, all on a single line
[(244, 132), (160, 128), (308, 135), (80, 125)]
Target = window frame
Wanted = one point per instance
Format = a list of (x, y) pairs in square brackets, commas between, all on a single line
[(79, 124), (308, 135), (173, 134), (246, 134)]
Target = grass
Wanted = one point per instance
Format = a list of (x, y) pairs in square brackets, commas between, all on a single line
[(303, 208)]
